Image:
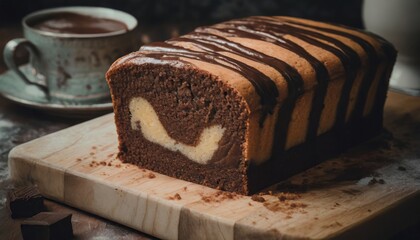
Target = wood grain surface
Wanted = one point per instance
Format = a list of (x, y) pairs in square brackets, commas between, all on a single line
[(370, 191)]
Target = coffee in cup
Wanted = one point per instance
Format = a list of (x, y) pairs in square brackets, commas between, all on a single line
[(75, 23)]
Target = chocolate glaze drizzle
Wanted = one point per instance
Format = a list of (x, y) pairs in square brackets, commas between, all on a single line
[(373, 61), (264, 30), (347, 56), (211, 42), (351, 63)]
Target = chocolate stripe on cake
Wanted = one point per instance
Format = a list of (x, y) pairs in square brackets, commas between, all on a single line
[(347, 56), (294, 82), (290, 74), (321, 72), (351, 63), (368, 78), (251, 28)]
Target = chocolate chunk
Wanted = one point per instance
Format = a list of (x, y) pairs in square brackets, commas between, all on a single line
[(257, 198), (373, 181), (25, 202), (48, 225)]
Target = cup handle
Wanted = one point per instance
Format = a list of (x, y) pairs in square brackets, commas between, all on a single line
[(9, 59)]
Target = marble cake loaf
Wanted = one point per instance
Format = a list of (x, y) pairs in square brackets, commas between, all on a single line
[(246, 103)]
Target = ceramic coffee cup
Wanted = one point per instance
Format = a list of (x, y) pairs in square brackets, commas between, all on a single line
[(71, 66)]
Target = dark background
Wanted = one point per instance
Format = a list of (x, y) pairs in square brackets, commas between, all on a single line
[(169, 18)]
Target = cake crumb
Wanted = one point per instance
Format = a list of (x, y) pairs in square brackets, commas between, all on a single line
[(351, 191), (372, 181), (151, 175), (109, 164), (288, 216), (265, 217), (401, 168), (94, 147), (219, 196), (288, 196), (253, 222), (103, 163), (333, 225), (257, 198), (93, 163), (185, 188), (175, 197), (286, 207), (229, 195), (250, 204), (110, 155), (206, 199), (315, 218), (91, 153), (301, 205), (79, 159), (274, 206), (118, 165)]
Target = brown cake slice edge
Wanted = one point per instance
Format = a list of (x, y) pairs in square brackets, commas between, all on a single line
[(197, 123)]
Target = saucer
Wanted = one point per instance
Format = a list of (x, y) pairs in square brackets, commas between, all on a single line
[(411, 92), (15, 90)]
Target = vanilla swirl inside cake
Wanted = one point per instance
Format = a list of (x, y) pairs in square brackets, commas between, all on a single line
[(246, 103)]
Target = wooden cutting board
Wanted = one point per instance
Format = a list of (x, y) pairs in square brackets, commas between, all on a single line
[(372, 191)]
